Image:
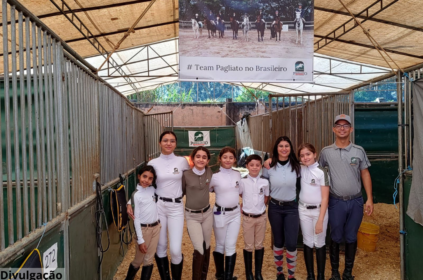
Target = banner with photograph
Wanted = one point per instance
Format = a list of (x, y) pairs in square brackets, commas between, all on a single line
[(246, 41)]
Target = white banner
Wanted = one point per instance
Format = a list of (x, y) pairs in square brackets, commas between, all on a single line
[(199, 138), (246, 41)]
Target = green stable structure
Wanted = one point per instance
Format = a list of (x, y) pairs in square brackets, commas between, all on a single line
[(376, 131), (413, 238), (220, 137)]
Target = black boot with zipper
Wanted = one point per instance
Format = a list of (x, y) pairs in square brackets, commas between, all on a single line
[(309, 262), (248, 263), (258, 263), (162, 267), (132, 271), (321, 262), (146, 272)]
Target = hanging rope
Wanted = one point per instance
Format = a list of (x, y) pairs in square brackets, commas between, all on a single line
[(377, 46)]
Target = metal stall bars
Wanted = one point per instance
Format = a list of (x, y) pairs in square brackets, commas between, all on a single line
[(34, 84), (301, 117), (405, 157), (61, 124), (307, 118), (154, 125)]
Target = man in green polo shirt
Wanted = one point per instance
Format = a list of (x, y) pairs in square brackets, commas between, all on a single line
[(348, 169)]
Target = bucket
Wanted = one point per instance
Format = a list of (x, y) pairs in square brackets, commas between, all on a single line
[(367, 236)]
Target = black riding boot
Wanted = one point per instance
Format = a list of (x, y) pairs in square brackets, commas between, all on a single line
[(146, 272), (219, 261), (206, 262), (162, 267), (131, 272), (197, 265), (229, 267), (280, 277), (177, 269), (309, 262), (321, 262), (258, 263), (334, 260), (248, 263), (350, 250)]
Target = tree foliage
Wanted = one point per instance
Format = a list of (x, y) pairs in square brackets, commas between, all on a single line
[(385, 91)]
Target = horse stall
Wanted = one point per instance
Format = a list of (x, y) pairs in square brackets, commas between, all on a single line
[(66, 137), (309, 118), (69, 139)]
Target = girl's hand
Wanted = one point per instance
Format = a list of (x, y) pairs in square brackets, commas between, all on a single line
[(267, 163), (143, 248), (319, 227), (130, 211)]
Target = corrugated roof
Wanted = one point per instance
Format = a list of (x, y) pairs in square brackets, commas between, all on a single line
[(396, 25)]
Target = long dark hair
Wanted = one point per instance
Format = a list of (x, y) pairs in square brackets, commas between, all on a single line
[(295, 164), (167, 132), (148, 168)]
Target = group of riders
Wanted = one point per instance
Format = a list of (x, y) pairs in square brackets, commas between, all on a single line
[(218, 19)]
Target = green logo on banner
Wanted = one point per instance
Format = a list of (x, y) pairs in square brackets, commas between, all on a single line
[(299, 66), (198, 136)]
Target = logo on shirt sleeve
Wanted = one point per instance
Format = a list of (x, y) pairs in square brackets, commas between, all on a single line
[(175, 171)]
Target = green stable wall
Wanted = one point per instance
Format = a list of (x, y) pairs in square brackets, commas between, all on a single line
[(376, 130), (220, 137), (83, 252), (413, 239)]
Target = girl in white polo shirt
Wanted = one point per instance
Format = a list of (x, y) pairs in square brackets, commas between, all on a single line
[(146, 223), (169, 169), (313, 204), (227, 219)]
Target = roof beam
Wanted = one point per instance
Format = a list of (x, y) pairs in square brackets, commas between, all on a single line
[(351, 24), (82, 28), (138, 61), (318, 73), (115, 5), (366, 46), (120, 31), (137, 74), (371, 19)]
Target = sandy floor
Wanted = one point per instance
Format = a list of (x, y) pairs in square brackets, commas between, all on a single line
[(227, 47), (380, 265)]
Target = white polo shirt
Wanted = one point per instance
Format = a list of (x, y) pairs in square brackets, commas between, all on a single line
[(145, 209), (169, 170), (312, 178), (225, 184), (253, 190)]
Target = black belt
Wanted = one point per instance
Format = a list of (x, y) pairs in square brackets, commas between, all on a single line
[(177, 200), (151, 225), (198, 211), (347, 197), (310, 206), (281, 203), (253, 215), (220, 208)]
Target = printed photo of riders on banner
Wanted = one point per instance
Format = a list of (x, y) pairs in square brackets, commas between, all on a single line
[(246, 40)]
